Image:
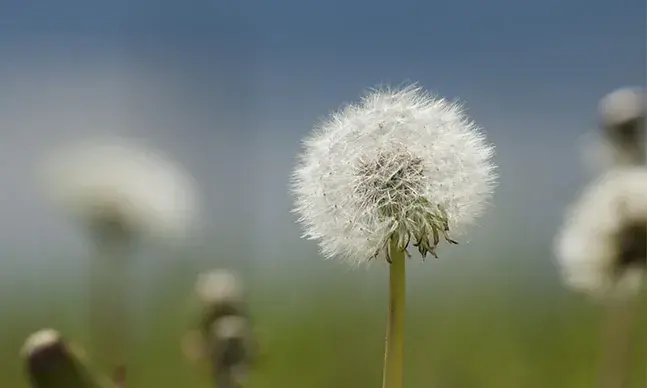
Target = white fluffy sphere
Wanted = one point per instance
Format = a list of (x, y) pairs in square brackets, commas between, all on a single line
[(399, 161), (122, 182), (602, 247)]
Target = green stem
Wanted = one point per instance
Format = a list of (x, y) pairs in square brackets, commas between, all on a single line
[(394, 349), (109, 316), (616, 346)]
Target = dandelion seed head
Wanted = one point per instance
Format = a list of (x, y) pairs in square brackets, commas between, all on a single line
[(400, 162), (120, 189), (602, 248), (219, 286)]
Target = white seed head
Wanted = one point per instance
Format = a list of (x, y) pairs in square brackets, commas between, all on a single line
[(123, 187), (219, 286), (400, 162), (39, 340), (602, 247)]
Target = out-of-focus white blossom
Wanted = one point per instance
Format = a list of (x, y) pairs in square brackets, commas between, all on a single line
[(120, 186), (602, 247), (622, 106), (622, 116), (219, 286), (400, 162)]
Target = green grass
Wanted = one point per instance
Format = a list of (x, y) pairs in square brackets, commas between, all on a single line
[(326, 330)]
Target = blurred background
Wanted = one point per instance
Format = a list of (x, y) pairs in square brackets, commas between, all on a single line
[(228, 89)]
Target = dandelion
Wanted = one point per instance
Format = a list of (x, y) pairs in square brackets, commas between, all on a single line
[(602, 250), (121, 194), (622, 115), (219, 287), (231, 347), (122, 191), (400, 169), (224, 334), (53, 363), (602, 247)]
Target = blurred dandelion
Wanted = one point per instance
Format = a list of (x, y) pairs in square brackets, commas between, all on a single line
[(622, 139), (224, 335), (602, 250), (401, 168), (121, 191), (122, 194), (51, 362), (622, 115), (602, 247)]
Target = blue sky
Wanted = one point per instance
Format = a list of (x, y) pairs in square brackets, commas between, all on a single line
[(229, 88)]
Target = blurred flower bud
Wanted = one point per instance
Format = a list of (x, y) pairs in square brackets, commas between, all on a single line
[(220, 294), (225, 336), (51, 363), (231, 350), (622, 115)]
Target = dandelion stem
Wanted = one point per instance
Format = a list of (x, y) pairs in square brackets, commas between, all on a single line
[(109, 318), (394, 349), (616, 337)]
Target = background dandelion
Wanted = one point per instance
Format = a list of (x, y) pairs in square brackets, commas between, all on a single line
[(120, 194), (602, 247), (598, 249), (622, 115), (621, 138), (52, 362), (603, 252), (224, 334)]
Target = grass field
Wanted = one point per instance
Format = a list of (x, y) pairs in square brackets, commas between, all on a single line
[(324, 327)]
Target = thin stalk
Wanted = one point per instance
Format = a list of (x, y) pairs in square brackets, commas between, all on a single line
[(394, 348), (109, 316), (616, 344)]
